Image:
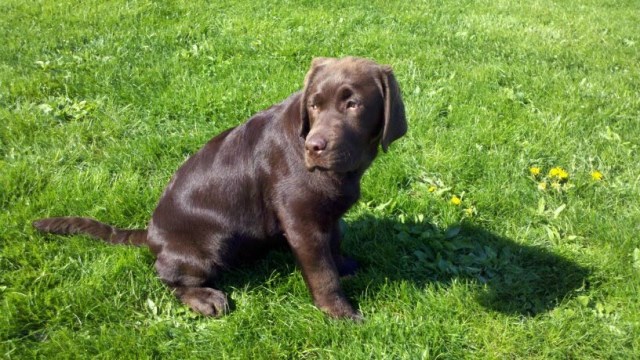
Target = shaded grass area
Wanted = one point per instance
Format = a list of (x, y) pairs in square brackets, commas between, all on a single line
[(101, 101)]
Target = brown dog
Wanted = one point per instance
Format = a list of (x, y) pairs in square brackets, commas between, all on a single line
[(286, 175)]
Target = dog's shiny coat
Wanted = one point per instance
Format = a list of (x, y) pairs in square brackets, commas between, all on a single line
[(287, 175)]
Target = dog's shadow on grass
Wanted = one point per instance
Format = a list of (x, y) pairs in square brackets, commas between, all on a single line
[(512, 278), (515, 279)]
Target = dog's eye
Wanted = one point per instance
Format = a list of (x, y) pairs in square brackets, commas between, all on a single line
[(352, 104)]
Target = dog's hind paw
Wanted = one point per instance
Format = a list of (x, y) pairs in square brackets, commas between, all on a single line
[(207, 301)]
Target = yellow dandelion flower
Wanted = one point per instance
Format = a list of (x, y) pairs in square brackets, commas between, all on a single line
[(432, 188), (542, 186), (534, 171), (564, 175), (559, 173), (596, 175), (455, 200)]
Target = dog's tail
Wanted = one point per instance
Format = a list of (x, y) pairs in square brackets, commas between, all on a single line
[(93, 228)]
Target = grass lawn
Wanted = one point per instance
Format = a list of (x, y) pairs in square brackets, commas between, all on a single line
[(504, 225)]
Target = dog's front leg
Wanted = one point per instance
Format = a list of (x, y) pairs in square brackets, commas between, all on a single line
[(312, 249), (346, 265)]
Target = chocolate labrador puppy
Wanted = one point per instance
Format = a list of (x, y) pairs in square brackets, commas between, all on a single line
[(286, 176)]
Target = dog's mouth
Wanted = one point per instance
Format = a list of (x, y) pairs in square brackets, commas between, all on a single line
[(318, 167), (312, 168), (312, 165), (338, 165)]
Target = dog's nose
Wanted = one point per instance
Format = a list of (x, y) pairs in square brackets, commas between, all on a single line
[(315, 145)]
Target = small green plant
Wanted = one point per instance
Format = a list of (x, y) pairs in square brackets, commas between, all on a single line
[(64, 109)]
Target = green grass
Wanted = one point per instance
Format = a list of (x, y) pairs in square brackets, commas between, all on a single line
[(100, 102)]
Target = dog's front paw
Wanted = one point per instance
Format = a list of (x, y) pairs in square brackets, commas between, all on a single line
[(347, 314), (340, 308)]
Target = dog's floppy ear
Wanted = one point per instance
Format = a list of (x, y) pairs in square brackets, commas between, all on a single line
[(395, 122), (316, 64)]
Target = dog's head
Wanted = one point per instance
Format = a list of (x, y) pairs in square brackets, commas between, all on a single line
[(349, 106)]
